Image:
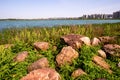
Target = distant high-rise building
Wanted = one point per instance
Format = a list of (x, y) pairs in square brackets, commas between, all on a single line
[(116, 15), (98, 16)]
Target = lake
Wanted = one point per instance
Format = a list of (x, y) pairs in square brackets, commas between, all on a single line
[(49, 23)]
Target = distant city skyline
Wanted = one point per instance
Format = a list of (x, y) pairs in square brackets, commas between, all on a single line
[(35, 9)]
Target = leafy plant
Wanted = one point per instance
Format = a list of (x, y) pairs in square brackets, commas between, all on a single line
[(23, 39)]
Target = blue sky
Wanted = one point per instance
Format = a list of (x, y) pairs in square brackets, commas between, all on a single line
[(55, 8)]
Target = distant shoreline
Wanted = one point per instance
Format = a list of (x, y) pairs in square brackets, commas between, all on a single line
[(57, 19)]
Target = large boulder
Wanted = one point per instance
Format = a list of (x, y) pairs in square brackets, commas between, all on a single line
[(101, 62), (106, 39), (21, 56), (41, 45), (112, 49), (78, 73), (102, 53), (95, 41), (66, 55), (42, 74), (75, 40), (41, 63)]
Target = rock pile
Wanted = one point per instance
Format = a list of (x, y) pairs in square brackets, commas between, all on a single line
[(39, 70)]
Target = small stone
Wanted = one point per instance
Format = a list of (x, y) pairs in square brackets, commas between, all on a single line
[(42, 74), (8, 45), (54, 48), (112, 49), (101, 79), (86, 40), (41, 45), (101, 62), (21, 56), (119, 64), (41, 63), (66, 55), (95, 42), (102, 53), (78, 73)]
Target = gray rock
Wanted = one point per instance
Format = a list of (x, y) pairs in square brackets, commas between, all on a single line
[(41, 45), (41, 63), (42, 74), (21, 56), (66, 55)]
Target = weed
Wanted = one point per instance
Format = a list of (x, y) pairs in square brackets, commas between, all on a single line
[(23, 39)]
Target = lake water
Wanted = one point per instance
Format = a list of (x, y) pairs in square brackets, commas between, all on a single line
[(49, 23)]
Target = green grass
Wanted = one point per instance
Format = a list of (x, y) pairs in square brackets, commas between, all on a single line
[(23, 39)]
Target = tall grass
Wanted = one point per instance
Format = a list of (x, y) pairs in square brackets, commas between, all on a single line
[(53, 34)]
